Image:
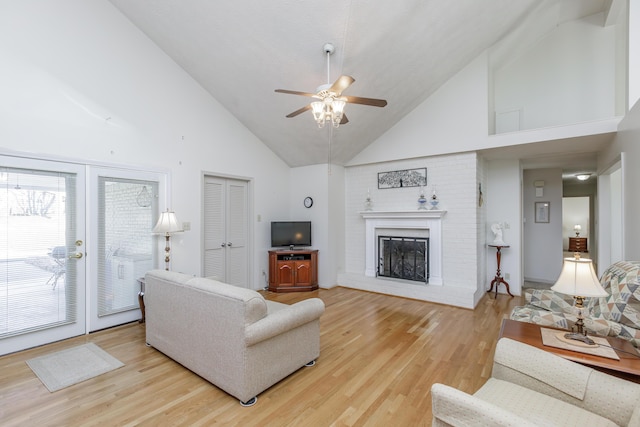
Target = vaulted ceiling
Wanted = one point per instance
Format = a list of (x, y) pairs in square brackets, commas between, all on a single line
[(401, 51)]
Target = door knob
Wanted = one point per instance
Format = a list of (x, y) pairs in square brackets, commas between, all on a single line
[(229, 244), (77, 255), (223, 245)]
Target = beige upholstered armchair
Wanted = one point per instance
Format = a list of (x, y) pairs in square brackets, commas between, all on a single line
[(531, 387)]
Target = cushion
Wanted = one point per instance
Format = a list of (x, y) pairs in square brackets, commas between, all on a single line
[(534, 406), (568, 377)]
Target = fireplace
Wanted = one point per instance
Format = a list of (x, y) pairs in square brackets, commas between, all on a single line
[(405, 258), (425, 226)]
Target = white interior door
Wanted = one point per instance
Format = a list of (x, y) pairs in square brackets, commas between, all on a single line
[(237, 232), (226, 230), (214, 225), (42, 252)]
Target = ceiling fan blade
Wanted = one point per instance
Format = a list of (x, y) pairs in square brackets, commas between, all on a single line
[(295, 92), (300, 111), (341, 84), (365, 101), (344, 120)]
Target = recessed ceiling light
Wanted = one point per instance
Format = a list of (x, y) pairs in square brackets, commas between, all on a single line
[(583, 176)]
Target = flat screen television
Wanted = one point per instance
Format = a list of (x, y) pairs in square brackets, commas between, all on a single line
[(290, 233)]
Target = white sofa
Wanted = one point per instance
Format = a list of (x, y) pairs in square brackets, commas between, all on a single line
[(531, 387), (230, 336)]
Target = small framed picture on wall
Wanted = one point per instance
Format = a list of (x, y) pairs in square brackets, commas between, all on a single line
[(542, 211)]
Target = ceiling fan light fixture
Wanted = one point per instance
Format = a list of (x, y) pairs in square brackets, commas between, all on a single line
[(332, 104), (337, 111), (318, 112), (337, 106)]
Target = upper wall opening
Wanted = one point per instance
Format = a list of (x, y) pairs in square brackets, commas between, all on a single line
[(560, 67)]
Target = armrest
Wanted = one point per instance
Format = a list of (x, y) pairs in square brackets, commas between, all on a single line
[(457, 408), (284, 320)]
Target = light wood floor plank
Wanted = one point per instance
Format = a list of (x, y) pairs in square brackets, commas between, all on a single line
[(379, 356)]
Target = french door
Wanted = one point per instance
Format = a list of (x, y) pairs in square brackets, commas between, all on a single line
[(226, 230), (124, 209), (42, 252), (61, 275)]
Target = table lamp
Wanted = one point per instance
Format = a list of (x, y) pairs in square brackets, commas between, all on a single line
[(167, 224), (577, 228), (579, 280)]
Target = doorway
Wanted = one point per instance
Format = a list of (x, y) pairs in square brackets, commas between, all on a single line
[(576, 225)]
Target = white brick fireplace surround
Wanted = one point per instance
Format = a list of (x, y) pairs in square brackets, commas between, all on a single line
[(463, 246), (417, 222)]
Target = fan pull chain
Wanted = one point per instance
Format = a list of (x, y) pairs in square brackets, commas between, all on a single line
[(329, 160)]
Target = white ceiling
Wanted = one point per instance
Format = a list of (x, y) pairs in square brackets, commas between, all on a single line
[(401, 51)]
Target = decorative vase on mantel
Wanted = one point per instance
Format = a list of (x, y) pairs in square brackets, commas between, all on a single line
[(434, 201), (422, 201), (434, 204), (368, 202)]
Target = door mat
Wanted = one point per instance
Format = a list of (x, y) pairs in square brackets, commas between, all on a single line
[(72, 365)]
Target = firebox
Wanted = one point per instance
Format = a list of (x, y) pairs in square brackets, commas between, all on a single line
[(404, 258)]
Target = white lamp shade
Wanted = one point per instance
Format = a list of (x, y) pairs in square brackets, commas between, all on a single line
[(578, 278), (167, 223), (577, 227)]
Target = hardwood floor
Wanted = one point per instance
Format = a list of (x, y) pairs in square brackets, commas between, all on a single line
[(379, 356)]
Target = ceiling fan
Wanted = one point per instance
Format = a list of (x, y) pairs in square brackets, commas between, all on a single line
[(330, 106)]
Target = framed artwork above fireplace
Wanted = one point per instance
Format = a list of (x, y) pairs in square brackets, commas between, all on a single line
[(403, 178)]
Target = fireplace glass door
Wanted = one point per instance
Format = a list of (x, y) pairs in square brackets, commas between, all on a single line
[(404, 258)]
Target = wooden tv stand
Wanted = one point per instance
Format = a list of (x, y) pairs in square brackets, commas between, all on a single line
[(293, 270)]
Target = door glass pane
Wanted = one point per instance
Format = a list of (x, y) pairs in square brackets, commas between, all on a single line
[(37, 284), (126, 215)]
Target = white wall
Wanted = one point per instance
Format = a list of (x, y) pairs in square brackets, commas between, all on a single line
[(542, 241), (626, 151), (568, 76), (503, 205), (451, 120), (634, 54), (325, 184), (79, 81)]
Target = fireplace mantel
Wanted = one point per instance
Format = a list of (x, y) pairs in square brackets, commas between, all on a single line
[(403, 214), (419, 220)]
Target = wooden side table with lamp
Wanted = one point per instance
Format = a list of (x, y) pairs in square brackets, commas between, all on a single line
[(628, 367)]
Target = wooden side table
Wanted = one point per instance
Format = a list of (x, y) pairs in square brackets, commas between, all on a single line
[(628, 367), (499, 279), (141, 298)]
